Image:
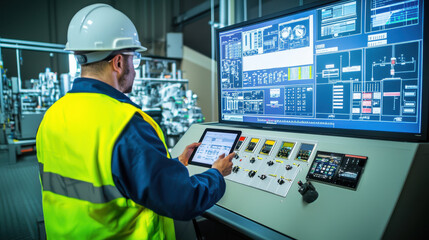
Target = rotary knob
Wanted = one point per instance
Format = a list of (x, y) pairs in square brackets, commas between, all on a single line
[(235, 169), (288, 167), (252, 173), (270, 163), (281, 181), (263, 176), (252, 160)]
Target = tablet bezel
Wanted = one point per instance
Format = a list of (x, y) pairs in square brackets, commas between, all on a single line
[(238, 132)]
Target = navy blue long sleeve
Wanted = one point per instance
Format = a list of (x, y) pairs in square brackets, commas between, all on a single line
[(142, 171)]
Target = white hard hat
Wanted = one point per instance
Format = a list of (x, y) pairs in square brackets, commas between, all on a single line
[(100, 29)]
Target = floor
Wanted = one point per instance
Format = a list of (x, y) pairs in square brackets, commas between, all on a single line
[(21, 214)]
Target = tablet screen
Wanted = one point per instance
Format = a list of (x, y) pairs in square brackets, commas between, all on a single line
[(214, 143)]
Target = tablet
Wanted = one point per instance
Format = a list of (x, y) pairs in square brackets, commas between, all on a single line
[(214, 142)]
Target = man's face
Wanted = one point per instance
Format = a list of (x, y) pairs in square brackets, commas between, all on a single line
[(126, 80)]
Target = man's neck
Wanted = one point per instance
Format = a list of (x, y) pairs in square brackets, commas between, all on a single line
[(111, 80)]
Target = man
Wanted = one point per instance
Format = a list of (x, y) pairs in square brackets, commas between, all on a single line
[(105, 170)]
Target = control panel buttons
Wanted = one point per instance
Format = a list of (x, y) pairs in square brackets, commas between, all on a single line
[(271, 163), (252, 173)]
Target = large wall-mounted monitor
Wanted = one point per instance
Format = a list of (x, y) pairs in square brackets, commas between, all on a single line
[(353, 68)]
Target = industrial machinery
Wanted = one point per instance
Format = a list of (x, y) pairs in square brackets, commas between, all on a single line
[(158, 88), (333, 108), (165, 96), (23, 108)]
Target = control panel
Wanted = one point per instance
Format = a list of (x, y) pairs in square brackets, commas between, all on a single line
[(270, 164), (283, 182)]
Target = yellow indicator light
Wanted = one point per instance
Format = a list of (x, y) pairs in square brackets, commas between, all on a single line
[(270, 142), (279, 161), (288, 144), (255, 140), (246, 170), (272, 175), (259, 158), (290, 180)]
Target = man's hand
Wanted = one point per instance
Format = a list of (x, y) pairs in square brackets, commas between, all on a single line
[(184, 157), (224, 164)]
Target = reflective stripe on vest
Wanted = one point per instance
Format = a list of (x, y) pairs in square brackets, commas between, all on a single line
[(77, 189)]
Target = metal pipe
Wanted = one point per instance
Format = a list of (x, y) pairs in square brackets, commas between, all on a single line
[(213, 66), (173, 70), (18, 67), (146, 23), (2, 113), (231, 12), (42, 49), (161, 80), (239, 11), (29, 90), (223, 17), (164, 24), (245, 10), (152, 15), (53, 45), (23, 142)]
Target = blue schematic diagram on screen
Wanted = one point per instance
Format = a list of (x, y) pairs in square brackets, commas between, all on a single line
[(339, 20), (387, 14), (354, 64)]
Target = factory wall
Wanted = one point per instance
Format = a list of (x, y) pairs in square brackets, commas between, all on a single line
[(197, 66)]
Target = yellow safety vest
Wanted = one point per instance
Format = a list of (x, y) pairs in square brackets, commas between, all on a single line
[(75, 142)]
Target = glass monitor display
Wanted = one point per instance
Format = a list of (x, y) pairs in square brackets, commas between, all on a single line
[(341, 67)]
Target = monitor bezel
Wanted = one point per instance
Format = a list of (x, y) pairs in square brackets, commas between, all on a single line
[(384, 135)]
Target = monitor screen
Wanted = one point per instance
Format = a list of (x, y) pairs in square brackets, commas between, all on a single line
[(341, 67)]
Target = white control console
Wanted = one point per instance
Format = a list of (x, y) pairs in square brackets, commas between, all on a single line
[(270, 164)]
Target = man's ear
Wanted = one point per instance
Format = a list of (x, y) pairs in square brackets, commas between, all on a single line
[(117, 64)]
